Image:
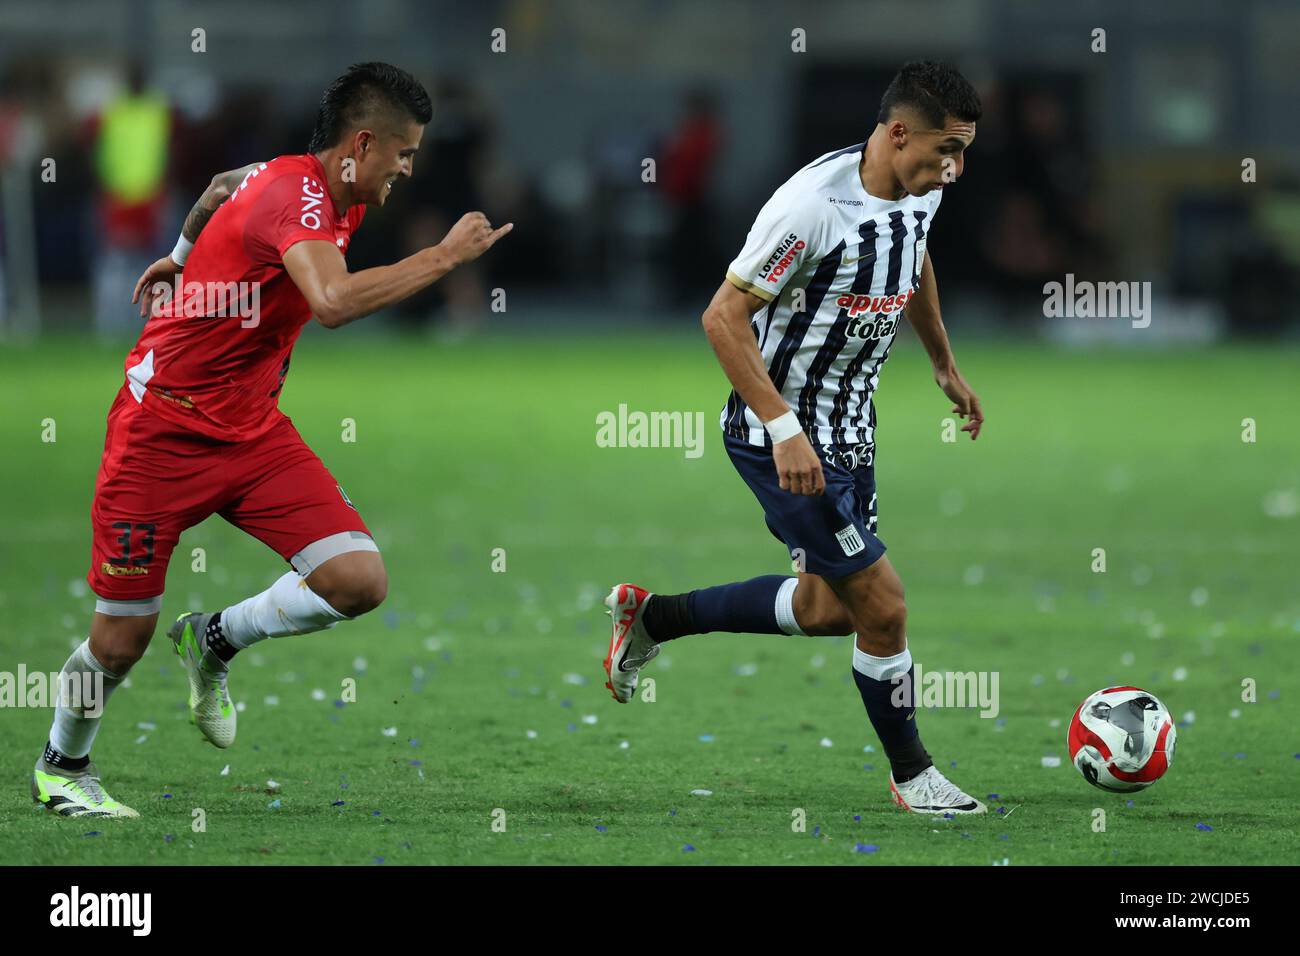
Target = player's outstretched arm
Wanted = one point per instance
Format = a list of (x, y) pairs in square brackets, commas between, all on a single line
[(221, 188), (338, 296), (923, 313), (726, 323)]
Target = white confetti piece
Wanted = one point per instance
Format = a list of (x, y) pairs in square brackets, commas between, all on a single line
[(272, 785), (577, 679), (623, 745), (746, 670), (701, 793), (225, 771), (589, 718), (317, 694), (142, 738), (240, 707), (270, 700), (1051, 761), (1180, 673), (530, 734), (1189, 717), (827, 742), (389, 731), (359, 664), (1235, 712)]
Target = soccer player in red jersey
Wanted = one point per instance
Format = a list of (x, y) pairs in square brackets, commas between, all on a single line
[(196, 430)]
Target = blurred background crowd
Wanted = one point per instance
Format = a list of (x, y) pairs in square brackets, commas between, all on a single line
[(1115, 164)]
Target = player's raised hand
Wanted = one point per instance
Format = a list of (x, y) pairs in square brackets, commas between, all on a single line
[(965, 402), (798, 467), (160, 271), (472, 236)]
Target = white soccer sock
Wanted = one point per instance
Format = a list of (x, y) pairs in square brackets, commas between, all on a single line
[(72, 732), (785, 618), (287, 607), (881, 668)]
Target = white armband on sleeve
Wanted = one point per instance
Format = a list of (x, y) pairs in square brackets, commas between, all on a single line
[(783, 427), (182, 250)]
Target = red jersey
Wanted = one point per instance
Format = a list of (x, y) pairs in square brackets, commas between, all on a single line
[(214, 358)]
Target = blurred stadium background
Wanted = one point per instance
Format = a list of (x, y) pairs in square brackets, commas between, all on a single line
[(1122, 165)]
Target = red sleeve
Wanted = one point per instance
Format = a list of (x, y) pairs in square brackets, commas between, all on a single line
[(291, 209)]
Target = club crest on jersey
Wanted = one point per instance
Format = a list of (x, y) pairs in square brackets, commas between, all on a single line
[(851, 542)]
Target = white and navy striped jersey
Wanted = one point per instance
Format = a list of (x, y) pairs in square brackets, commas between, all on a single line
[(838, 266)]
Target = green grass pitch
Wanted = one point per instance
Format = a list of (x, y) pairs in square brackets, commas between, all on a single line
[(479, 691)]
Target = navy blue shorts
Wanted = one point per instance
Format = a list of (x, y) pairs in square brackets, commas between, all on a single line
[(832, 534)]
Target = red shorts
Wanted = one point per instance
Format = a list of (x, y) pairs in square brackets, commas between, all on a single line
[(157, 479)]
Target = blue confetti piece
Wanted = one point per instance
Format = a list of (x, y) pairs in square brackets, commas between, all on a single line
[(948, 816), (865, 848), (1240, 756), (274, 804), (339, 704), (413, 742), (1004, 836), (672, 813), (1001, 722), (602, 829), (952, 764), (706, 738), (1205, 827), (1128, 803), (91, 833), (375, 813), (379, 861), (1274, 694), (995, 796), (571, 728), (868, 766), (857, 818), (817, 831), (416, 763), (566, 703), (168, 837), (688, 849), (337, 803), (167, 796)]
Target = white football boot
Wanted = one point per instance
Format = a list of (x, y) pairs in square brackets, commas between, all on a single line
[(630, 647), (74, 793), (932, 792), (210, 707)]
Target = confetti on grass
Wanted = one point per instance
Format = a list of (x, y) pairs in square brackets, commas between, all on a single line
[(701, 793), (1205, 827), (865, 848)]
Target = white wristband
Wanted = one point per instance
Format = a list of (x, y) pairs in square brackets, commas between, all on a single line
[(784, 427), (182, 250)]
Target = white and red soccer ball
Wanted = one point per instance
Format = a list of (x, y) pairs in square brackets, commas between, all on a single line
[(1122, 739)]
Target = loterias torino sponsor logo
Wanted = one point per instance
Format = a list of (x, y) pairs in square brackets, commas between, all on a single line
[(780, 260)]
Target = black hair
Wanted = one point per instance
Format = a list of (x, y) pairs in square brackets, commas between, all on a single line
[(935, 90), (363, 92)]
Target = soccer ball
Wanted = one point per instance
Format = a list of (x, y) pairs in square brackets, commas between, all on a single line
[(1122, 739)]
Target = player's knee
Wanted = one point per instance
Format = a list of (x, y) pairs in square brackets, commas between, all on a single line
[(890, 619), (118, 647), (362, 593)]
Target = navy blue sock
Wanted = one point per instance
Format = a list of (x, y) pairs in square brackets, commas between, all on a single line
[(895, 726), (745, 607)]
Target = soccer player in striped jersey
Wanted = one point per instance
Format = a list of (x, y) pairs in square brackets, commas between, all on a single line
[(196, 427), (802, 326)]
